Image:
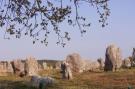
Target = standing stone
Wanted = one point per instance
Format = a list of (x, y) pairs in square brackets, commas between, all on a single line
[(66, 71), (31, 66), (9, 67), (75, 62), (92, 65), (133, 54), (5, 68), (133, 58), (44, 65), (113, 58), (101, 62), (18, 67), (58, 65), (63, 72)]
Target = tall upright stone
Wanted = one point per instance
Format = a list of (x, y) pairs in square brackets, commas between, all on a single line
[(66, 71), (9, 67), (31, 66), (133, 54), (133, 58), (75, 62), (101, 62), (113, 58), (18, 67)]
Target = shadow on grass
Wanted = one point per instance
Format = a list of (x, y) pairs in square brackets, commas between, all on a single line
[(7, 84)]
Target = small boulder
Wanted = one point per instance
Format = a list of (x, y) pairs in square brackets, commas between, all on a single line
[(41, 82), (127, 63), (35, 80), (45, 81)]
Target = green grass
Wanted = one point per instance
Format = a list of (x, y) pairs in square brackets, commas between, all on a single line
[(87, 80)]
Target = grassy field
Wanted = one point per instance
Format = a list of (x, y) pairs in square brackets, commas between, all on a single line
[(87, 80)]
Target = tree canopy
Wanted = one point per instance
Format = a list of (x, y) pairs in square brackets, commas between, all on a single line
[(35, 17)]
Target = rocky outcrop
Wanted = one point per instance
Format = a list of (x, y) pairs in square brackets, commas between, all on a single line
[(31, 66), (113, 58)]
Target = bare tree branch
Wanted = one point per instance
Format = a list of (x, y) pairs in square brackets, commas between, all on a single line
[(35, 17)]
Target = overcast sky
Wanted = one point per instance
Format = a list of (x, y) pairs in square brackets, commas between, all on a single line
[(120, 31)]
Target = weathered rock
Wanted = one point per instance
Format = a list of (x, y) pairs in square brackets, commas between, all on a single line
[(5, 68), (18, 67), (31, 66), (45, 81), (126, 63), (78, 65), (91, 65), (41, 82), (58, 65), (101, 62), (35, 80), (75, 62), (44, 65), (133, 54), (63, 72), (9, 67), (66, 71), (113, 59), (133, 58)]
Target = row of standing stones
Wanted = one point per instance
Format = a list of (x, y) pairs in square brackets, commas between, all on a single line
[(113, 62), (19, 67), (74, 63)]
